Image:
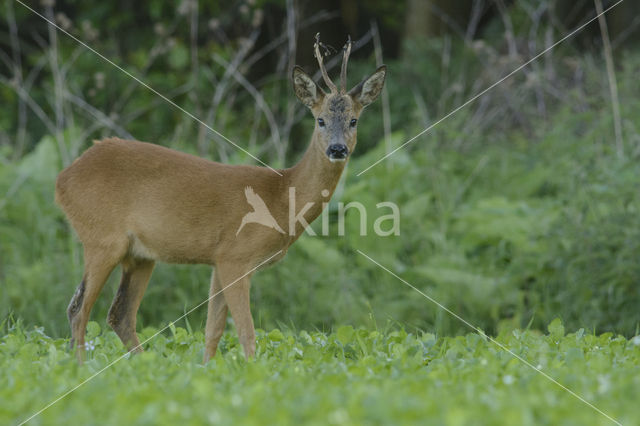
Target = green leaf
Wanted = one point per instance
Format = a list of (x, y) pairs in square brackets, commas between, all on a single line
[(276, 335), (345, 334), (93, 329), (556, 329)]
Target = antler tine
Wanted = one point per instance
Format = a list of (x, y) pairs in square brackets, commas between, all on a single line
[(325, 76), (346, 51)]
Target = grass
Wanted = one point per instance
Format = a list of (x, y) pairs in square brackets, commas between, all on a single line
[(349, 376)]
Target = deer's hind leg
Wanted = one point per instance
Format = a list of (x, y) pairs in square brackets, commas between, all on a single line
[(122, 314), (216, 317), (99, 261)]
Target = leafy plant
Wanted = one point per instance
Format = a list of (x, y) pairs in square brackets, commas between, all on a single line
[(350, 376)]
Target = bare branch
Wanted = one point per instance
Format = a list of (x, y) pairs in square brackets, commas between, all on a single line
[(16, 54), (31, 103), (257, 96), (264, 51), (386, 109), (221, 87), (102, 118), (613, 84), (58, 85)]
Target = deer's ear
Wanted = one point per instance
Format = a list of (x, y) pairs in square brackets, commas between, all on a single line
[(306, 89), (369, 89)]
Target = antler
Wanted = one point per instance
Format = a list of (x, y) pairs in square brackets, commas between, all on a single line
[(346, 51), (325, 76)]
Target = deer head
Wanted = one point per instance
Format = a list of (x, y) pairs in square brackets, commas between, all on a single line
[(336, 112)]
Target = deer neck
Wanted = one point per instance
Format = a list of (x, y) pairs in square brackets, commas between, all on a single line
[(315, 179)]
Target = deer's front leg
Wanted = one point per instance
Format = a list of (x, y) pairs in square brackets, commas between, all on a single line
[(235, 284), (216, 317)]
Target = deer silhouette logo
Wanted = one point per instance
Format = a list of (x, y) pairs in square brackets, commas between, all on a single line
[(260, 213)]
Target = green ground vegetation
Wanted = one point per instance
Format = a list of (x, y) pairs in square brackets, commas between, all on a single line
[(349, 376)]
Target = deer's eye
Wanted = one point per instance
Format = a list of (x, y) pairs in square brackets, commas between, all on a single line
[(353, 122), (320, 122)]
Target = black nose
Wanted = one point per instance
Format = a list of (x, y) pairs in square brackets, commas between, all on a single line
[(337, 151)]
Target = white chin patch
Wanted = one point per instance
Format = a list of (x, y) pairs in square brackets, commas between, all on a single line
[(337, 160)]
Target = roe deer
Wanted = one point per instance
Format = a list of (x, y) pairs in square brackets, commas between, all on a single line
[(135, 203)]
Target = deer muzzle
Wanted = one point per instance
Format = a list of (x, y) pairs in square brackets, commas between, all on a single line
[(337, 152)]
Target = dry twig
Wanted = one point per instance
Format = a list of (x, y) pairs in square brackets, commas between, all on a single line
[(613, 84)]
